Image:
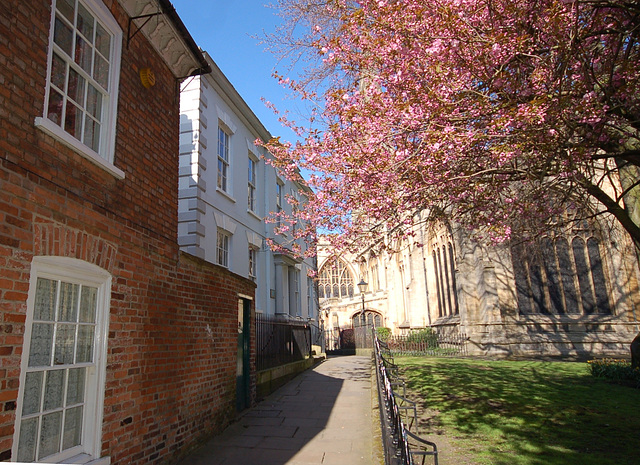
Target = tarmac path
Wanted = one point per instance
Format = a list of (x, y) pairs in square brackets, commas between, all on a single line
[(323, 416)]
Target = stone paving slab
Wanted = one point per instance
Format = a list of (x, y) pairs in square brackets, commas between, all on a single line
[(322, 417)]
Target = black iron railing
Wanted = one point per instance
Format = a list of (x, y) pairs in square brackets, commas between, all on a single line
[(280, 341), (398, 414)]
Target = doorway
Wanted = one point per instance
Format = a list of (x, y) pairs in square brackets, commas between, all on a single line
[(243, 379)]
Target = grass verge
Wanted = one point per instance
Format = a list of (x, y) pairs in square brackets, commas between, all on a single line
[(523, 412)]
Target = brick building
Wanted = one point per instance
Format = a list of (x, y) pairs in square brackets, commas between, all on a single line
[(116, 347)]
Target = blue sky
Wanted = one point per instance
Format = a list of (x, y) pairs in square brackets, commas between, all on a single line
[(225, 30)]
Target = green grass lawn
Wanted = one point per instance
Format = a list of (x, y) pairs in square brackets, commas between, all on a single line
[(525, 413)]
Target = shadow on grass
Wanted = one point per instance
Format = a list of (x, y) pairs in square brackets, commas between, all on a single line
[(505, 412)]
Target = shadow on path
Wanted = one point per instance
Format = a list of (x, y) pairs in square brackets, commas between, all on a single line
[(323, 416)]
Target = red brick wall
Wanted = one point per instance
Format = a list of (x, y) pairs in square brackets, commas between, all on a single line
[(172, 330)]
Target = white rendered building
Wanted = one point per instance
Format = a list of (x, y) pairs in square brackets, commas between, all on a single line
[(227, 190)]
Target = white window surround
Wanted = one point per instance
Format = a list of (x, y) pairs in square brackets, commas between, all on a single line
[(105, 155), (252, 184), (225, 222), (223, 183), (68, 270), (253, 258), (223, 246)]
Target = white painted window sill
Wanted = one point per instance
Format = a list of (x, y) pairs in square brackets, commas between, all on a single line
[(58, 133)]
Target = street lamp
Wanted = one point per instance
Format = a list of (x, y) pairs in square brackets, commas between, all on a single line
[(362, 285)]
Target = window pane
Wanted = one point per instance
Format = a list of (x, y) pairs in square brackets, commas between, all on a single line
[(94, 102), (65, 338), (553, 276), (85, 23), (41, 342), (27, 441), (63, 36), (597, 272), (69, 302), (584, 276), (73, 120), (53, 390), (222, 175), (567, 274), (66, 7), (75, 386), (103, 41), (76, 87), (32, 393), (72, 428), (83, 54), (521, 279), (91, 136), (88, 302), (45, 304), (101, 72), (58, 72), (50, 434), (54, 109), (85, 344), (537, 289), (454, 286)]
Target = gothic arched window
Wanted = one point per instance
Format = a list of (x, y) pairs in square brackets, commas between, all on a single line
[(445, 282), (335, 280), (563, 278)]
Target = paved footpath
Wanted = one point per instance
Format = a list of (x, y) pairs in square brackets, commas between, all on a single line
[(323, 416)]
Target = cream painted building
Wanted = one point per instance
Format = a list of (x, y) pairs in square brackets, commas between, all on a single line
[(576, 295)]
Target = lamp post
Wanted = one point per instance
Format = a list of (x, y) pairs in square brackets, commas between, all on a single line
[(362, 285)]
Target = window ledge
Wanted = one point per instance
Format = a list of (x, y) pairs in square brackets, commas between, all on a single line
[(225, 194), (564, 318), (58, 133), (80, 459), (254, 214)]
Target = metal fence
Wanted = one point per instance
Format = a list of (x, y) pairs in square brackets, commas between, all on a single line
[(398, 415), (280, 342), (434, 344)]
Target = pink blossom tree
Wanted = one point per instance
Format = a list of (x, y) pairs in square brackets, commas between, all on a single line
[(500, 114)]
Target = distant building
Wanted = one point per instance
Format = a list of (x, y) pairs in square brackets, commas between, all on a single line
[(228, 190), (576, 294)]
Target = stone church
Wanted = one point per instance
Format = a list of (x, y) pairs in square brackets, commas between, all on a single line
[(573, 292)]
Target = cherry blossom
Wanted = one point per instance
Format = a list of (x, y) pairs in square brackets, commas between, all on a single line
[(500, 115)]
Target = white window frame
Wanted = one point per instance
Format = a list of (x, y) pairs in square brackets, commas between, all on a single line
[(73, 271), (224, 161), (252, 184), (104, 157), (253, 261), (223, 241)]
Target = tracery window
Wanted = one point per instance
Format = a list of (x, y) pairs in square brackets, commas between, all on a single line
[(445, 274), (563, 278), (335, 280)]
